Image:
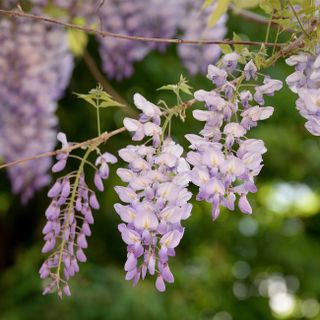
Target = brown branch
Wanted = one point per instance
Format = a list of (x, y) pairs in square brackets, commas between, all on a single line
[(91, 142), (135, 38)]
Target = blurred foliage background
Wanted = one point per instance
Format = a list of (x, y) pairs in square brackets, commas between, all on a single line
[(264, 266)]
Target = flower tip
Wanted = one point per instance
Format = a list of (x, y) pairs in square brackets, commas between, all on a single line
[(160, 285)]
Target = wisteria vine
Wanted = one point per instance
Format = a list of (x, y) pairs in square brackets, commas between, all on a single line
[(157, 173)]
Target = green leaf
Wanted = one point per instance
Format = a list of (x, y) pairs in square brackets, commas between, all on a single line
[(87, 97), (206, 4), (182, 85), (225, 48), (246, 4), (219, 10), (169, 87), (111, 103), (237, 47), (77, 41), (98, 93), (270, 6)]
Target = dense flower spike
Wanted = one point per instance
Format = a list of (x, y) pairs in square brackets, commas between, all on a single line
[(35, 68), (224, 161), (305, 81), (155, 198), (133, 18), (137, 18), (156, 20), (69, 218), (196, 58)]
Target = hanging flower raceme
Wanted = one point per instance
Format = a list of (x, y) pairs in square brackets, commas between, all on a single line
[(155, 198), (136, 19), (69, 217), (196, 58), (224, 161), (35, 67), (305, 81)]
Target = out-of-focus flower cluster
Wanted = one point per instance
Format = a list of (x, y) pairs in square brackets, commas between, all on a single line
[(35, 68), (156, 197), (193, 23), (36, 65), (224, 160), (154, 19), (305, 81), (69, 217), (138, 18)]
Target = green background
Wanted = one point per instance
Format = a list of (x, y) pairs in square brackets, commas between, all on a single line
[(264, 266)]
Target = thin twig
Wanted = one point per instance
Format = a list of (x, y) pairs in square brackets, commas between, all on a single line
[(298, 19), (135, 38), (94, 142), (91, 142)]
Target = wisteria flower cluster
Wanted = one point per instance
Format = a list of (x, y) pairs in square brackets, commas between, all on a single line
[(224, 161), (197, 58), (305, 81), (36, 64), (35, 68), (155, 198), (158, 21), (69, 217)]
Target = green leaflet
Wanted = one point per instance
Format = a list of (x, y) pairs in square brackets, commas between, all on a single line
[(99, 98), (77, 41), (226, 48), (206, 4), (182, 85), (219, 10), (246, 4), (269, 6)]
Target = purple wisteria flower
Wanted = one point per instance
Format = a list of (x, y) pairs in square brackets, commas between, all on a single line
[(69, 217), (148, 123), (156, 20), (305, 81), (193, 23), (134, 18), (155, 198), (35, 67), (224, 162)]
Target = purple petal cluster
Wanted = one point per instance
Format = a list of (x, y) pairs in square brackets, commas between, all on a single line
[(154, 19), (67, 9), (64, 234), (69, 217), (224, 161), (35, 67), (193, 23), (135, 18), (305, 81), (148, 124), (155, 199)]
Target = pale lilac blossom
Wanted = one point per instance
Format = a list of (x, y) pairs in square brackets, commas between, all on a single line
[(224, 162), (305, 82), (155, 198)]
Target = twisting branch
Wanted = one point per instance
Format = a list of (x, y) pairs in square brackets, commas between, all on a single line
[(95, 142), (135, 38)]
